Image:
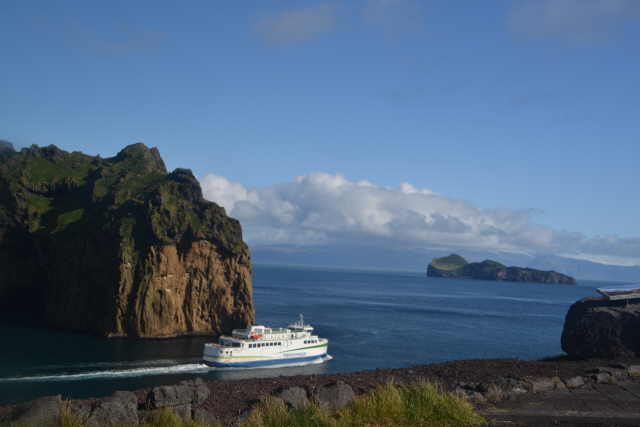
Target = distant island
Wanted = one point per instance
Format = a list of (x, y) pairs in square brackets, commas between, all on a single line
[(457, 267)]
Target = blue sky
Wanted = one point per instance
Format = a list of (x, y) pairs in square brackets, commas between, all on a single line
[(522, 106)]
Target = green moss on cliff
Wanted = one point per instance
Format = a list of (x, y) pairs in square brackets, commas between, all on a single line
[(68, 218), (73, 167), (449, 263)]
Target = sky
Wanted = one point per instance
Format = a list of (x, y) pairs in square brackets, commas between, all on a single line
[(503, 124)]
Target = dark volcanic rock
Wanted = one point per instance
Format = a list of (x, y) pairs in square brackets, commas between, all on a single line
[(187, 392), (295, 397), (456, 266), (335, 396), (598, 328), (118, 246), (44, 411), (120, 409)]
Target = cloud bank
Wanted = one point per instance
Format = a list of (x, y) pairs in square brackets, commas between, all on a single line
[(321, 208), (572, 20)]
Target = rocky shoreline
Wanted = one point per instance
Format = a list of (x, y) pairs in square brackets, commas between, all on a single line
[(488, 383)]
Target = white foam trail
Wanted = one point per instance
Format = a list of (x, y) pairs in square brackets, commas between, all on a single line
[(125, 364), (121, 373)]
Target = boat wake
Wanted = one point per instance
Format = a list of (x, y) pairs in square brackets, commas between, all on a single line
[(136, 369), (150, 368)]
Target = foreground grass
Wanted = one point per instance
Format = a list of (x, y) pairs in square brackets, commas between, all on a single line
[(421, 404)]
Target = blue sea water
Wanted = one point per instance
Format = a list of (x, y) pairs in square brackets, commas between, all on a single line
[(373, 319)]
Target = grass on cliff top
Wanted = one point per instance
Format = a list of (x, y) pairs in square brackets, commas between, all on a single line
[(420, 404), (450, 262), (74, 166)]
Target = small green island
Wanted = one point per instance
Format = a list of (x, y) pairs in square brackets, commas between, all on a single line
[(455, 266)]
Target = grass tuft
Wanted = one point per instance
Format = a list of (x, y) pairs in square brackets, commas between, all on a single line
[(420, 404), (68, 418), (273, 412), (165, 417)]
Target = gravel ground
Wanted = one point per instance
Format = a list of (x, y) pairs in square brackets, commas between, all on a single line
[(229, 399)]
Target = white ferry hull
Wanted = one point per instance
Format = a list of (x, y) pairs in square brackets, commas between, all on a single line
[(261, 347), (277, 360)]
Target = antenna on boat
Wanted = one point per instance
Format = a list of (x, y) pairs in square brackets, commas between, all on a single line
[(301, 321)]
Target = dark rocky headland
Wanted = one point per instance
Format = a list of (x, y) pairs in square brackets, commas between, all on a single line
[(458, 267), (598, 328), (117, 246)]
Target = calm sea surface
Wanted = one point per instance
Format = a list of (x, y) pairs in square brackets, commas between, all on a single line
[(378, 319)]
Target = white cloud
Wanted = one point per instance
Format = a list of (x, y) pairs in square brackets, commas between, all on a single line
[(324, 208), (572, 20), (297, 25)]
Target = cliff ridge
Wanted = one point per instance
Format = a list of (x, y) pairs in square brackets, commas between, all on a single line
[(118, 246)]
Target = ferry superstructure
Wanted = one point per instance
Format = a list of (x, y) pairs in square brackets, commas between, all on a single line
[(260, 346)]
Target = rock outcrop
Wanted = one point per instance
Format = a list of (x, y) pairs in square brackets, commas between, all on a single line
[(456, 266), (6, 147), (118, 246), (598, 328)]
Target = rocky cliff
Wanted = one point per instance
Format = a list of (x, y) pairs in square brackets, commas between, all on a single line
[(117, 246), (598, 328), (456, 266)]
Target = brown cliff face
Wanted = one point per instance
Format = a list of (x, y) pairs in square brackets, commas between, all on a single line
[(194, 290), (118, 246)]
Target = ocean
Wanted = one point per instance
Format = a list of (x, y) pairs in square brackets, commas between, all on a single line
[(373, 319)]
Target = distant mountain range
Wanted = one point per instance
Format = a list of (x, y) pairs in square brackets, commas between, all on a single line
[(410, 259)]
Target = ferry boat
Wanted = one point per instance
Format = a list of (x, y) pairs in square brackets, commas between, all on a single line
[(259, 346)]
